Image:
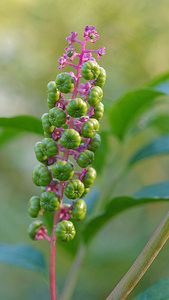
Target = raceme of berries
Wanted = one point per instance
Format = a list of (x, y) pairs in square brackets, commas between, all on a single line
[(71, 139)]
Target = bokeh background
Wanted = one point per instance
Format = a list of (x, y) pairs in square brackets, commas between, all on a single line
[(32, 38)]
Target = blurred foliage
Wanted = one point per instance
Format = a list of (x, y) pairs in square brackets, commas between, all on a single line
[(159, 291), (32, 35)]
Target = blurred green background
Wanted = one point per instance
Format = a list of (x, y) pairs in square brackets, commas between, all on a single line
[(32, 38)]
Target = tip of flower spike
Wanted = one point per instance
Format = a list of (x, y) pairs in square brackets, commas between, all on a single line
[(88, 56), (62, 61), (70, 52), (91, 34), (72, 38), (40, 234), (101, 52)]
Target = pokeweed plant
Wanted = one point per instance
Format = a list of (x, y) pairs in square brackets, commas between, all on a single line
[(70, 143), (71, 138)]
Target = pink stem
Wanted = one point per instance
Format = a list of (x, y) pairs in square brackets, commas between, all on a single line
[(78, 41), (70, 64), (86, 51), (52, 257), (57, 213), (47, 237), (77, 173)]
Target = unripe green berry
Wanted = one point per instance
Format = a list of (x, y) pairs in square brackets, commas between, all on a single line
[(94, 143), (90, 128), (98, 111), (85, 158), (69, 53), (91, 36), (49, 147), (41, 176), (76, 108), (62, 170), (39, 153), (57, 117), (65, 82), (34, 207), (53, 94), (86, 190), (65, 231), (34, 227), (95, 95), (51, 103), (48, 134), (79, 210), (89, 177), (74, 189), (70, 139), (49, 201), (90, 70), (100, 81), (47, 126)]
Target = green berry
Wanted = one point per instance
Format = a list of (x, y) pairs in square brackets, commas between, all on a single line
[(90, 70), (74, 189), (90, 128), (65, 82), (76, 108), (57, 117), (34, 207), (34, 227), (79, 210), (91, 36), (41, 176), (53, 94), (39, 153), (65, 231), (86, 190), (49, 147), (98, 111), (69, 53), (100, 81), (70, 139), (48, 134), (85, 158), (89, 177), (62, 170), (95, 95), (51, 103), (94, 143), (49, 201), (47, 126)]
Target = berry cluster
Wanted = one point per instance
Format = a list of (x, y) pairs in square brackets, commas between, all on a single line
[(70, 129)]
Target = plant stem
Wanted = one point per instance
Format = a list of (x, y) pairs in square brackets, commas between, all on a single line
[(73, 275), (56, 214), (143, 262), (52, 257)]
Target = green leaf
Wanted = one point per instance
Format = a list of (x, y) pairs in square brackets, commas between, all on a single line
[(161, 122), (101, 153), (158, 146), (158, 80), (124, 111), (23, 123), (154, 190), (158, 291), (24, 256), (116, 206)]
